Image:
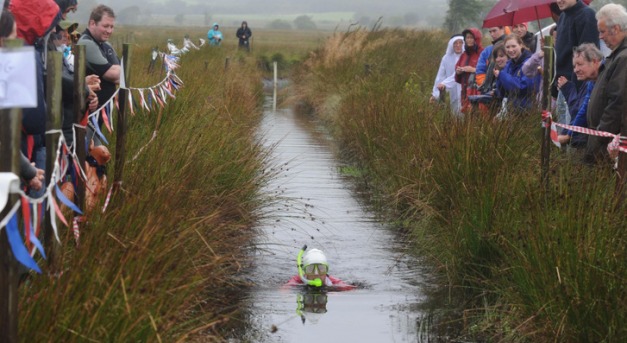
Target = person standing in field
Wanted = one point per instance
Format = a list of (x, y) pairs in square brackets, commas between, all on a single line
[(244, 34), (445, 79), (214, 35)]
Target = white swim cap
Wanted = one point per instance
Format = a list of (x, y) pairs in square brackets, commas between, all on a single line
[(314, 256)]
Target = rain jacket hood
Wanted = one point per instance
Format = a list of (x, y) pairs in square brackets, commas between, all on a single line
[(477, 34), (450, 51), (34, 18), (64, 4)]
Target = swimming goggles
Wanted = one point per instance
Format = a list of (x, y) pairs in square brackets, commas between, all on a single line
[(321, 268)]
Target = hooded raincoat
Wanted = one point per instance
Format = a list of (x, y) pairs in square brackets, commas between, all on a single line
[(214, 35), (470, 57), (446, 75)]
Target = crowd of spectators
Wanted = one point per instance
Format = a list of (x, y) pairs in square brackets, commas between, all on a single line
[(505, 78), (43, 25)]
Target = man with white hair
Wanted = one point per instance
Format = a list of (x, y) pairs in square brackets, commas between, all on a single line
[(605, 109)]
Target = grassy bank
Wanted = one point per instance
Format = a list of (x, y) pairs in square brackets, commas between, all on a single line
[(158, 265), (531, 265)]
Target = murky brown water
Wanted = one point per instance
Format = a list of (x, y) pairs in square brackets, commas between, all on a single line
[(317, 206)]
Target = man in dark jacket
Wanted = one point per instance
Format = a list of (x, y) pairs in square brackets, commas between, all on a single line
[(101, 58), (244, 33), (576, 26), (605, 109), (528, 38)]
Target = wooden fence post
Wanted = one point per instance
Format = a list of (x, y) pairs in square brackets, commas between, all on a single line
[(79, 106), (53, 122), (120, 143), (546, 104), (10, 123)]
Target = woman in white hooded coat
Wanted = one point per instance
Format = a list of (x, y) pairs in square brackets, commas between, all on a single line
[(445, 79)]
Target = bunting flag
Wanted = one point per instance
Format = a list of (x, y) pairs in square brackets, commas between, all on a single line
[(19, 250), (37, 244), (85, 118), (38, 218), (134, 102), (33, 210), (116, 101), (94, 125), (130, 101), (109, 107), (66, 201), (57, 210), (27, 221), (143, 100), (105, 119)]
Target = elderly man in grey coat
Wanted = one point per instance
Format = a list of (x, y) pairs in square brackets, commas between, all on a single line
[(606, 109)]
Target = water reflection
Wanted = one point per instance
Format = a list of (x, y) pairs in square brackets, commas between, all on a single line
[(312, 303)]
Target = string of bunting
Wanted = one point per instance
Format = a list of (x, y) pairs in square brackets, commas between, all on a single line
[(33, 209), (156, 94)]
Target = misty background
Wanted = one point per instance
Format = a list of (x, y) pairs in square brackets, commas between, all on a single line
[(323, 14), (450, 15)]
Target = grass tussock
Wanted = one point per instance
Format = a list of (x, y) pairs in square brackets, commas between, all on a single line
[(532, 265), (158, 265)]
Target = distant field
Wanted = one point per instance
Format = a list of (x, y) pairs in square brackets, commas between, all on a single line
[(254, 20)]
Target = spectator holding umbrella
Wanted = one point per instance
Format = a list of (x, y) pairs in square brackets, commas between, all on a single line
[(528, 38)]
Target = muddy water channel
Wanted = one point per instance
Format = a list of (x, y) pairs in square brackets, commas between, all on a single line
[(315, 205)]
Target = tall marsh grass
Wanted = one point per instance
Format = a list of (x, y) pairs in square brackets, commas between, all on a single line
[(532, 265), (158, 265)]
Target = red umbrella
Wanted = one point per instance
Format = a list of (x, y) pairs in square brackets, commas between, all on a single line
[(512, 12)]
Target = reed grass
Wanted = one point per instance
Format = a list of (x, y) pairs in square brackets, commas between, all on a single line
[(159, 264), (531, 265)]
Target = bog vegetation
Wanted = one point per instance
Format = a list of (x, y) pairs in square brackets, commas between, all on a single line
[(161, 264), (532, 265), (158, 265)]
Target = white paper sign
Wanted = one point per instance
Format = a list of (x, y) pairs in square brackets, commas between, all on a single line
[(18, 80)]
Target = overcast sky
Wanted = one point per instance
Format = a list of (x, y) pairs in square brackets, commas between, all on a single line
[(432, 11)]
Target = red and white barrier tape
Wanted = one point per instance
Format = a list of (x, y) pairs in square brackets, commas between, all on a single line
[(614, 145), (104, 207), (75, 229)]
